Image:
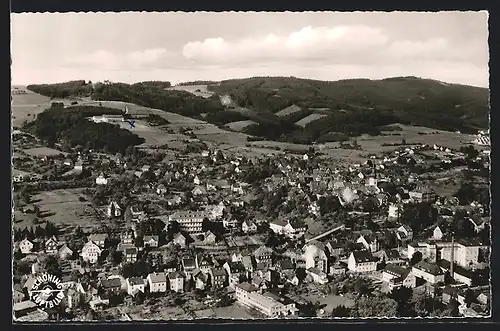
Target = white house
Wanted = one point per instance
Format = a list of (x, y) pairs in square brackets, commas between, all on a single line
[(157, 282), (248, 227), (315, 258), (362, 261), (25, 246), (438, 233), (429, 272), (65, 252), (397, 276), (176, 282), (135, 285), (101, 180), (370, 242), (114, 209), (287, 228), (91, 252), (317, 275), (404, 233)]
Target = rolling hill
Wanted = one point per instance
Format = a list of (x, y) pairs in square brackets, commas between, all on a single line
[(281, 107)]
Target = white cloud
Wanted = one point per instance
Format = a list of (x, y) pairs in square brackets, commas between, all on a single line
[(309, 42), (115, 61)]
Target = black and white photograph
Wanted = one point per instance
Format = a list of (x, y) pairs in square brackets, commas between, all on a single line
[(250, 166)]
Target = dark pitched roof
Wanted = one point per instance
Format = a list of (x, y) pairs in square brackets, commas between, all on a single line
[(429, 268), (363, 256), (395, 270), (109, 283), (247, 287), (136, 281)]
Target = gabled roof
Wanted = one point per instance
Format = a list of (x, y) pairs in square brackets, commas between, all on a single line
[(429, 268), (136, 281), (363, 256), (246, 286), (219, 272), (157, 277), (110, 283), (175, 275), (395, 270)]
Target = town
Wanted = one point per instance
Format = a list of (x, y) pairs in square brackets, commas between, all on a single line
[(211, 233)]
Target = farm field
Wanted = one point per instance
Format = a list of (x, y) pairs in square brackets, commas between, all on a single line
[(154, 136), (62, 207), (240, 125), (43, 151), (25, 107), (308, 119), (288, 111)]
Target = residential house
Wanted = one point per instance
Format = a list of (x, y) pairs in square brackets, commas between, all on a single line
[(176, 282), (234, 271), (99, 239), (91, 252), (218, 277), (397, 276), (200, 279), (114, 210), (101, 180), (157, 282), (369, 242), (72, 298), (209, 238), (334, 248), (26, 246), (423, 194), (438, 233), (189, 265), (51, 245), (78, 166), (198, 191), (127, 237), (390, 256), (394, 212), (161, 189), (65, 252), (130, 255), (288, 229), (362, 261), (429, 272), (259, 282), (135, 285), (317, 275), (315, 257), (111, 286), (180, 239), (17, 294), (248, 227), (263, 254), (404, 233), (204, 264), (189, 221), (137, 215), (151, 241)]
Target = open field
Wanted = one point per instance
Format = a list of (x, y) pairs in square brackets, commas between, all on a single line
[(240, 125), (331, 301), (154, 136), (61, 207), (288, 111), (235, 311), (25, 107), (198, 90), (308, 119), (43, 151)]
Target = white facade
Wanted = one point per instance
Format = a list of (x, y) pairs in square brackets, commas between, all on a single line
[(101, 180), (355, 266), (189, 221), (25, 246), (91, 252), (262, 303), (157, 282)]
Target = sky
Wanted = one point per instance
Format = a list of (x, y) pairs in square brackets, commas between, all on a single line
[(174, 46)]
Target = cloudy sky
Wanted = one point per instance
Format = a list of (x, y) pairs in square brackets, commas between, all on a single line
[(131, 47)]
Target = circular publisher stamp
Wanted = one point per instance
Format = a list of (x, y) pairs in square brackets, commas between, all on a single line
[(47, 291)]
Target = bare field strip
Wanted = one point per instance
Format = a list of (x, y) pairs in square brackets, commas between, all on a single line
[(308, 119), (288, 111), (240, 125)]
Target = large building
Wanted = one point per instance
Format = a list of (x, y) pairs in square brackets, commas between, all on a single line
[(465, 253), (268, 304), (189, 221)]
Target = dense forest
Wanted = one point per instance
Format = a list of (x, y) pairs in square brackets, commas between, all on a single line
[(75, 88), (413, 100), (353, 107), (70, 125)]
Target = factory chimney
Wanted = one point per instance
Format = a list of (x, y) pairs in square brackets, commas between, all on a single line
[(452, 258)]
